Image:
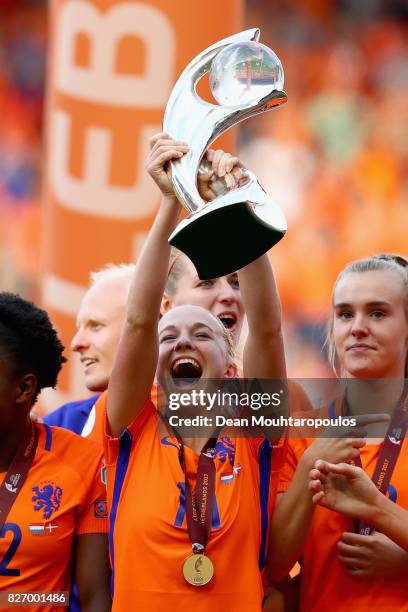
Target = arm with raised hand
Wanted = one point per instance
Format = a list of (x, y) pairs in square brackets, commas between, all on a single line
[(293, 515), (347, 489), (135, 364), (264, 355), (136, 360)]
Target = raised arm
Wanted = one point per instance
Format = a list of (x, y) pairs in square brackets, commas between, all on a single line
[(347, 489), (264, 355), (293, 515), (135, 364)]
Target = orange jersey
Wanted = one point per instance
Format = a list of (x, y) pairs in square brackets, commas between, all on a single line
[(324, 583), (149, 540), (94, 425), (298, 402), (62, 497)]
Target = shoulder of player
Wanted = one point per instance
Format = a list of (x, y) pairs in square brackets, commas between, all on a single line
[(69, 447)]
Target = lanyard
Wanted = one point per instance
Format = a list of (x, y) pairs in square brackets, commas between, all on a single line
[(17, 474), (199, 506), (389, 453)]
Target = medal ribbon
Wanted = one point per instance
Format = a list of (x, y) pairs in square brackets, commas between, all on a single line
[(199, 506), (389, 453), (17, 474)]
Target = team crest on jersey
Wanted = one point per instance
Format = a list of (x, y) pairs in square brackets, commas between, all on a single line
[(47, 497), (225, 449), (101, 508)]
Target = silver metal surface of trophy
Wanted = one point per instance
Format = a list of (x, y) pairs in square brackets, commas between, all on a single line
[(238, 226)]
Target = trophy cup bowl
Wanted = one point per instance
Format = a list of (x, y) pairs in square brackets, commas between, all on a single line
[(240, 225)]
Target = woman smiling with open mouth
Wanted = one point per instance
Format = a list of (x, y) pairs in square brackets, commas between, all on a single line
[(189, 517)]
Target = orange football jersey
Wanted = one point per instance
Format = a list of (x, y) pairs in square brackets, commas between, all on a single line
[(324, 583), (149, 540), (62, 497)]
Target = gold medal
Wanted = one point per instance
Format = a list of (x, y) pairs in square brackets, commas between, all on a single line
[(198, 570)]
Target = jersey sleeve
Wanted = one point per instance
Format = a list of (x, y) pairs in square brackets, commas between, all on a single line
[(294, 451), (111, 443)]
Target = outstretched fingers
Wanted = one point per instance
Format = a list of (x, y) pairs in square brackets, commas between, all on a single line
[(341, 469)]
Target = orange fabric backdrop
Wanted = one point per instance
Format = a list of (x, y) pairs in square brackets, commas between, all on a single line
[(112, 66)]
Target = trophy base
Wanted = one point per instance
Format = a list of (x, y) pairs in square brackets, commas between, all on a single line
[(223, 239)]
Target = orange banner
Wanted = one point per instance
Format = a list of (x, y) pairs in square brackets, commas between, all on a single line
[(112, 66)]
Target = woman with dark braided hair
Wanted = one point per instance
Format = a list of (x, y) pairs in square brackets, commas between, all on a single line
[(345, 564), (52, 500)]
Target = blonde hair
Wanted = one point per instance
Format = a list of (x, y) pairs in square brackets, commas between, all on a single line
[(176, 268), (110, 271), (177, 262), (381, 261), (228, 339)]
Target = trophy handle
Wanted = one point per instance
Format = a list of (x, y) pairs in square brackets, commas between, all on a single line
[(188, 117)]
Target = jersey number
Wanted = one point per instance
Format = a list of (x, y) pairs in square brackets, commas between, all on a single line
[(16, 531)]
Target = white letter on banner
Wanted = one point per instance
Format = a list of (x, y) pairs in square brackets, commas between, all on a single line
[(99, 83), (92, 194)]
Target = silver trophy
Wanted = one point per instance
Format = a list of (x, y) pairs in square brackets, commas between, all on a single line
[(246, 78)]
